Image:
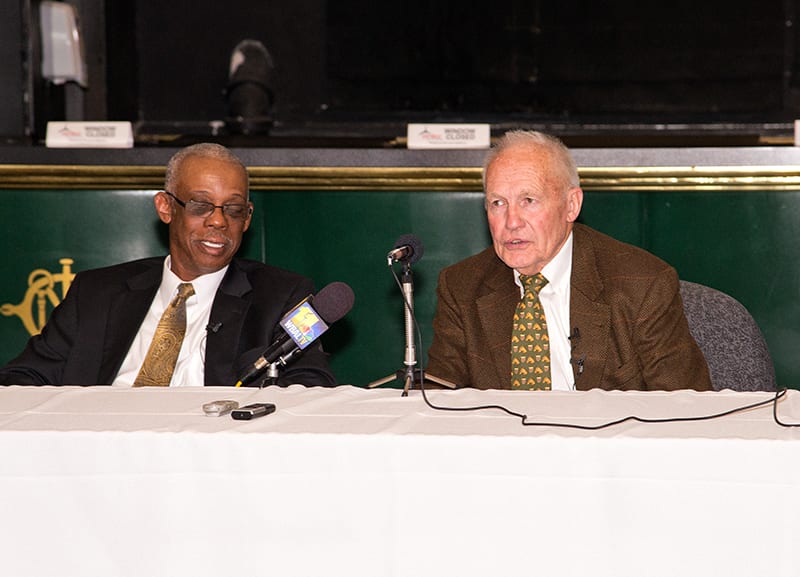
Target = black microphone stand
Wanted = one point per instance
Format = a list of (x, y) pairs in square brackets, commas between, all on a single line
[(410, 373)]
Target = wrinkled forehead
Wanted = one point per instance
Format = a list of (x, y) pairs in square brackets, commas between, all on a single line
[(522, 169), (198, 172)]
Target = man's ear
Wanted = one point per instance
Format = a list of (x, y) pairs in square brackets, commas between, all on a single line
[(574, 203), (163, 204), (249, 216)]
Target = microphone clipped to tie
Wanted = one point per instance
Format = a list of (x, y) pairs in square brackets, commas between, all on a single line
[(303, 325), (408, 249)]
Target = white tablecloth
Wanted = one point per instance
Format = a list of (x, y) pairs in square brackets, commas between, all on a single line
[(102, 481)]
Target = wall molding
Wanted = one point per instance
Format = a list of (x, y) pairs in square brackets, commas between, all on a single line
[(456, 179)]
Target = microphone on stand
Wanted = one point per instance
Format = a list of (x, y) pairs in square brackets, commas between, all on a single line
[(408, 249), (303, 325)]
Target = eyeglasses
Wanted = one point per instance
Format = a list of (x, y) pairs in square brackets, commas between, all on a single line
[(202, 209)]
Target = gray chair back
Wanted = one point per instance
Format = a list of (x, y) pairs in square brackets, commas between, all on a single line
[(734, 347)]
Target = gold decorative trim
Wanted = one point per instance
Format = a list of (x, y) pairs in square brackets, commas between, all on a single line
[(365, 178), (613, 178), (46, 176), (692, 178)]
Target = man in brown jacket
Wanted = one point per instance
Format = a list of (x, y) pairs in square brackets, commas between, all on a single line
[(613, 312)]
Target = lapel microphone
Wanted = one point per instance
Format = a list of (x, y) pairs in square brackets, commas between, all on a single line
[(573, 339)]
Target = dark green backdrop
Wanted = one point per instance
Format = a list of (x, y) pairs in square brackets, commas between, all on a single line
[(739, 242)]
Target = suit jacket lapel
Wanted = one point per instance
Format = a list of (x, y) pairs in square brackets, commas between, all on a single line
[(588, 315), (127, 311), (496, 311), (228, 313)]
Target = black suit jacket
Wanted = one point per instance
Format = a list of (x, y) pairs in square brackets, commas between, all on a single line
[(625, 303), (88, 335)]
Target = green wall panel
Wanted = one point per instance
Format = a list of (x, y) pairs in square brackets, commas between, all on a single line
[(345, 236)]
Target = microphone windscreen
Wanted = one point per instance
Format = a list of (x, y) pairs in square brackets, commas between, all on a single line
[(334, 301), (415, 243)]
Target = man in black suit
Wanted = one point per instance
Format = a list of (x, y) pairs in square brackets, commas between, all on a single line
[(103, 329)]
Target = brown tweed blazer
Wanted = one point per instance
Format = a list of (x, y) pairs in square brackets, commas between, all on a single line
[(624, 302)]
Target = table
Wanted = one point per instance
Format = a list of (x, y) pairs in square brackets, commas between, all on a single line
[(347, 481)]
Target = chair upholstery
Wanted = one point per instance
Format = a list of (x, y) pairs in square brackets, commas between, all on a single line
[(735, 350)]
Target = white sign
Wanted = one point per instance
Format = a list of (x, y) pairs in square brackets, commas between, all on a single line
[(449, 136), (89, 135)]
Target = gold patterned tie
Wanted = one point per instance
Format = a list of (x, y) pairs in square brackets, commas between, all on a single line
[(530, 343), (162, 355)]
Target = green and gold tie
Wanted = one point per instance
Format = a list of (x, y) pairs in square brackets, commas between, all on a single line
[(530, 344), (159, 364)]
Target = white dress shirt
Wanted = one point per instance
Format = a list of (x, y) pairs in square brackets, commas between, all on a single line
[(190, 368)]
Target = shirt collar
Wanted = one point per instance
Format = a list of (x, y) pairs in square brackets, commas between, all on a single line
[(205, 286)]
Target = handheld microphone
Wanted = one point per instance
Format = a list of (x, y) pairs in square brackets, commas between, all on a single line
[(408, 248), (303, 325)]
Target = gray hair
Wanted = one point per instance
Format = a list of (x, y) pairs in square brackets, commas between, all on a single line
[(566, 172), (202, 150)]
